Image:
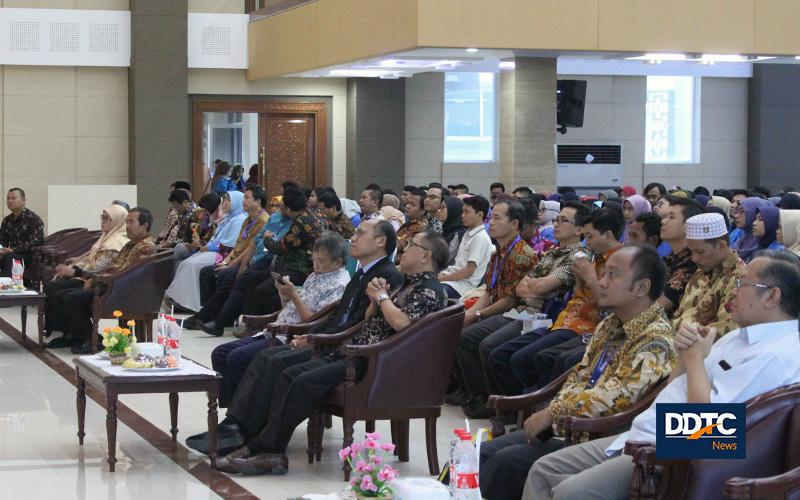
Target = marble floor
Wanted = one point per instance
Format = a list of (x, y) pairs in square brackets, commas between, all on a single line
[(40, 456)]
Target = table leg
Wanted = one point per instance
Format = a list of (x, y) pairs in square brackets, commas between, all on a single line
[(40, 314), (212, 422), (24, 318), (111, 426), (81, 404), (173, 414)]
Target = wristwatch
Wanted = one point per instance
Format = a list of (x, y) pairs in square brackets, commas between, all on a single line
[(478, 315), (383, 296)]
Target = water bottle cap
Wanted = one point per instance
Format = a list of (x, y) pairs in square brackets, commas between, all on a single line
[(465, 436), (459, 431)]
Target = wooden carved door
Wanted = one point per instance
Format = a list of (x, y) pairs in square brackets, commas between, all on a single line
[(286, 142)]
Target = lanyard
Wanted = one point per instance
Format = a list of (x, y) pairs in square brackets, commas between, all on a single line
[(248, 227), (600, 366), (502, 265)]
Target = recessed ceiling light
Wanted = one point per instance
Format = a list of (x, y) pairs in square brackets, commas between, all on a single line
[(472, 50)]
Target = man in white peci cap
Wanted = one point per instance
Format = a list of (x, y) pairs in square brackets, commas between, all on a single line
[(708, 294)]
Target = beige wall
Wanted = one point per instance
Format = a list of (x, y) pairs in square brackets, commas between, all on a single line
[(62, 125)]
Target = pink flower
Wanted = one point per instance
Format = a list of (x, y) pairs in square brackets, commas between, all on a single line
[(361, 466), (376, 460), (387, 474), (367, 484), (388, 447), (374, 435), (344, 453), (354, 480), (354, 449), (371, 444)]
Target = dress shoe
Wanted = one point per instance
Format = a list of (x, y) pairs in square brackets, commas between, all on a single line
[(224, 463), (244, 332), (478, 410), (229, 438), (212, 328), (274, 464), (192, 322), (60, 342), (456, 398), (85, 348)]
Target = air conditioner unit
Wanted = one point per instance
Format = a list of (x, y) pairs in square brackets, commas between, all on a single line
[(589, 168)]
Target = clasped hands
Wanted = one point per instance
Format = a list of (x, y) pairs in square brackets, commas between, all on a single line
[(694, 341), (376, 287)]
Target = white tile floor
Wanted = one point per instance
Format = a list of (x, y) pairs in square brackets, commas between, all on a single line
[(40, 456)]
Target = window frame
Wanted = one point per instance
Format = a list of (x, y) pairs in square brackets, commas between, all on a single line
[(496, 125), (695, 140)]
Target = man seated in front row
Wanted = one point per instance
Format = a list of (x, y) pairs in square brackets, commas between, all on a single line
[(248, 396), (762, 355), (631, 352), (302, 388)]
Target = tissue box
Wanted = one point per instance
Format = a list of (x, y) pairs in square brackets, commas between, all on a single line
[(149, 348), (418, 488)]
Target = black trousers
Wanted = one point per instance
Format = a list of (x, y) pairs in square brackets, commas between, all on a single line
[(250, 404), (231, 361), (514, 362), (556, 360), (476, 342), (54, 319), (505, 462), (214, 289), (78, 313)]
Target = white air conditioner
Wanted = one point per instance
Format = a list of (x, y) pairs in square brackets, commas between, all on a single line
[(589, 168)]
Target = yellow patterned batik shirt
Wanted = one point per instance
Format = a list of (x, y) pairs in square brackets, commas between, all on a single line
[(708, 295), (640, 354)]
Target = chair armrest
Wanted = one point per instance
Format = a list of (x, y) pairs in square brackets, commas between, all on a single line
[(526, 401), (741, 488), (259, 322), (322, 339), (632, 447)]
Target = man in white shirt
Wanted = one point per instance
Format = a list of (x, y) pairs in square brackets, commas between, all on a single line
[(474, 251), (756, 358)]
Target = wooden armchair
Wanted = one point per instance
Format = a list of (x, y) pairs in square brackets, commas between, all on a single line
[(137, 291), (56, 248), (770, 471), (266, 322), (524, 405), (406, 377)]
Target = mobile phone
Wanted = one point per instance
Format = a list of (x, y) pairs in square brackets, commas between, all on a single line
[(277, 277)]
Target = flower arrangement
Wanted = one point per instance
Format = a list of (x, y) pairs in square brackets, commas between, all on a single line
[(370, 475), (118, 340)]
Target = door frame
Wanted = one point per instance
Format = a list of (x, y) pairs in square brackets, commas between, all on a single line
[(219, 104)]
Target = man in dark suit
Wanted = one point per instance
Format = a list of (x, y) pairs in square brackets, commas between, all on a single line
[(373, 244)]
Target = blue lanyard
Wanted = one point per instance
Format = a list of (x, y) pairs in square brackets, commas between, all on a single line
[(248, 227), (503, 265), (600, 366)]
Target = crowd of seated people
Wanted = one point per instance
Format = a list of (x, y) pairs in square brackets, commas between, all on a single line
[(639, 289)]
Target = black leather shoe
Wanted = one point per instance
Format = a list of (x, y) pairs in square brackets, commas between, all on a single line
[(85, 348), (211, 328), (229, 438), (274, 464), (60, 342), (479, 411), (224, 463), (192, 323)]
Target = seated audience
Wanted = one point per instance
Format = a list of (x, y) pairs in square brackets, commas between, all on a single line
[(180, 227), (184, 289), (646, 230), (434, 197), (744, 217), (220, 182), (788, 232), (474, 251), (372, 244), (391, 212), (680, 264), (416, 223), (632, 207), (200, 229), (654, 192), (322, 287), (302, 388), (763, 353), (370, 203), (20, 232), (548, 211), (292, 260), (77, 303), (335, 220), (68, 276), (453, 228), (236, 182), (495, 189), (631, 353), (765, 228)]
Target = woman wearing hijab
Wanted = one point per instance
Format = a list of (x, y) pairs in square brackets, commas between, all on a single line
[(626, 192), (789, 201), (452, 228), (744, 218), (548, 210), (68, 275), (633, 207), (702, 199), (252, 175), (788, 233), (607, 195), (184, 289), (766, 226)]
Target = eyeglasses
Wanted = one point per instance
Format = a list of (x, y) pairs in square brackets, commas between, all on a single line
[(739, 283), (412, 243), (562, 220)]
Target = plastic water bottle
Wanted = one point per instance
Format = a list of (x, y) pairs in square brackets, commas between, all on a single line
[(465, 465), (451, 460), (17, 271)]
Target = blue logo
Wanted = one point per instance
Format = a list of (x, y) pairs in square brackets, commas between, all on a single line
[(713, 430)]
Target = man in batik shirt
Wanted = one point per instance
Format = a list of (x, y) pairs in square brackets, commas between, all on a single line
[(21, 231), (630, 354)]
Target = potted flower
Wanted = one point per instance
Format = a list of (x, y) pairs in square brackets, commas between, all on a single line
[(370, 475), (117, 340)]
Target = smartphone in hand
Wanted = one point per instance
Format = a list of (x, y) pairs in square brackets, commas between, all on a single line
[(278, 278)]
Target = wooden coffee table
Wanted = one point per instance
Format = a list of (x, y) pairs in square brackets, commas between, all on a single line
[(114, 380), (24, 300)]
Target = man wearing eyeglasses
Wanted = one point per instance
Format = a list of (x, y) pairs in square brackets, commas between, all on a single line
[(433, 201), (756, 358)]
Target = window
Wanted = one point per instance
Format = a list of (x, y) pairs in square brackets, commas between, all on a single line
[(470, 118), (672, 119)]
